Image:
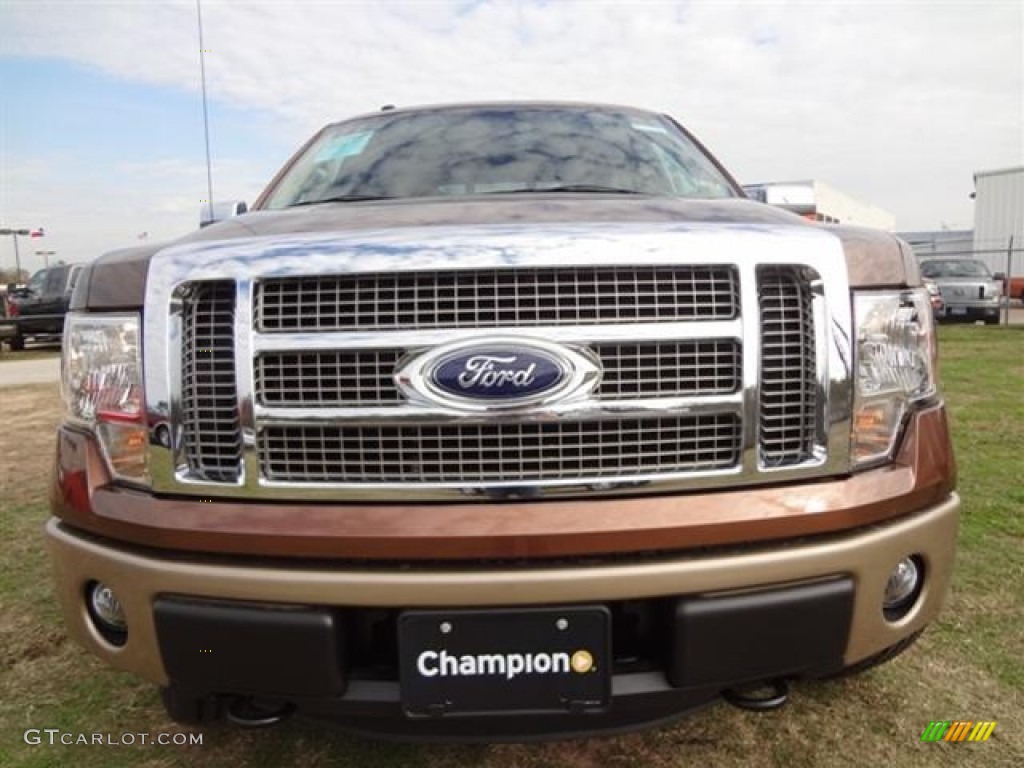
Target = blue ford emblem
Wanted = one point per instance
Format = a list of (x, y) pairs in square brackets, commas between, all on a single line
[(498, 372)]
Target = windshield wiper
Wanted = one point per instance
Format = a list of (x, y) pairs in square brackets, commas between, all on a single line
[(568, 188), (341, 199)]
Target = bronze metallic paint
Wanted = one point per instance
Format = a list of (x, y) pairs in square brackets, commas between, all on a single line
[(923, 473)]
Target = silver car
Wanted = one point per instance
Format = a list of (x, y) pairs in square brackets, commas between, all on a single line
[(969, 290)]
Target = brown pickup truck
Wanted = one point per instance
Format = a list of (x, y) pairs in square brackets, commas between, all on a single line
[(497, 422)]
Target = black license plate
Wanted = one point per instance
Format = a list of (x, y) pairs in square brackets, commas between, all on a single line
[(483, 661)]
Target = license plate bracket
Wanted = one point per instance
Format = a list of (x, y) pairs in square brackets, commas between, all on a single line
[(536, 660)]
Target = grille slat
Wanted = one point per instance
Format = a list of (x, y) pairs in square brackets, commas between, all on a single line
[(496, 298), (211, 428), (507, 452), (631, 371), (788, 386), (669, 369)]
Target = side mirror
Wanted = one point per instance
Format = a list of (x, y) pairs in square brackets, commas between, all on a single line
[(795, 198), (1000, 276), (211, 214)]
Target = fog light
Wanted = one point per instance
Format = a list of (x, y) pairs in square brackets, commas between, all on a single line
[(107, 613), (902, 588)]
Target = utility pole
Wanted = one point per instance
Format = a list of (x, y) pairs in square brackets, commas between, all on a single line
[(1006, 281), (17, 257)]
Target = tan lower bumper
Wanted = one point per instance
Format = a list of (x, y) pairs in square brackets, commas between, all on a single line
[(867, 556)]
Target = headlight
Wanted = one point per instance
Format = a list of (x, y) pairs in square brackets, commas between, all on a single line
[(895, 366), (102, 383)]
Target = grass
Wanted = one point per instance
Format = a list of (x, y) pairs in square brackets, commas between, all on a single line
[(967, 665)]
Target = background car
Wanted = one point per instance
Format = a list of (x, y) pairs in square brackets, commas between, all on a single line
[(39, 308), (967, 288), (935, 297)]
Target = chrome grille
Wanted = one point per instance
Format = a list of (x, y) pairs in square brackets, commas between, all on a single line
[(278, 385), (669, 368), (315, 379), (631, 370), (212, 434), (788, 386), (496, 298), (503, 452)]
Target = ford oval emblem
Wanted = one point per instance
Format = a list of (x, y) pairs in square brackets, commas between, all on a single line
[(498, 373), (503, 372)]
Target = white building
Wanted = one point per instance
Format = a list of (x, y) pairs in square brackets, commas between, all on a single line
[(818, 201), (998, 216)]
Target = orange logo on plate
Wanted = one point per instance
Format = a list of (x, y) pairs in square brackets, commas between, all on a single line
[(582, 662)]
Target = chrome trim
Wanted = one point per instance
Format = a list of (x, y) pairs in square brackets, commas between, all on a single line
[(743, 247), (751, 319), (331, 340), (244, 376), (568, 410)]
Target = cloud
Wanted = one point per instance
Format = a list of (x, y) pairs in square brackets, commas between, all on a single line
[(896, 103)]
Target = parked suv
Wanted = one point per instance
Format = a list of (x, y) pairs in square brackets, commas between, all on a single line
[(501, 421), (969, 290), (39, 308)]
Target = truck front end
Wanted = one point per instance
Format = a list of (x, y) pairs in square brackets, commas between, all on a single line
[(501, 469)]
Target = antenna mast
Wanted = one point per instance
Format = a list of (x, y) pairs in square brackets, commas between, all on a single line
[(206, 116)]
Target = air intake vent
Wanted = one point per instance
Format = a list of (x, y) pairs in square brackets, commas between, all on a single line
[(497, 298), (788, 382), (366, 377), (481, 453), (212, 433)]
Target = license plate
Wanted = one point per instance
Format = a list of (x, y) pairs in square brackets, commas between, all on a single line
[(489, 661), (958, 310)]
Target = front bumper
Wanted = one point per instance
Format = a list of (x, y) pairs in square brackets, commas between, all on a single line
[(741, 590), (958, 309)]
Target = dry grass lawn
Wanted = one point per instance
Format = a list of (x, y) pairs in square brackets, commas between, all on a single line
[(968, 665)]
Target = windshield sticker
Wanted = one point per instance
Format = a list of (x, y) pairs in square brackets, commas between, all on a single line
[(345, 145)]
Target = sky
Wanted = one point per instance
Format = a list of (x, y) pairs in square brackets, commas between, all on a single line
[(894, 103)]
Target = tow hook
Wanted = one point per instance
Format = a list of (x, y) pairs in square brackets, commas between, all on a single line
[(760, 697), (248, 712)]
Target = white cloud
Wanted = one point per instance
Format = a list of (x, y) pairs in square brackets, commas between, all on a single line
[(897, 103)]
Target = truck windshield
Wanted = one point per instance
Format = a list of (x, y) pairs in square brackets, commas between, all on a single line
[(955, 268), (499, 150)]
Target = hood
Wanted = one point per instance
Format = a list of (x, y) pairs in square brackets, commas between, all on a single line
[(117, 280), (561, 208)]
